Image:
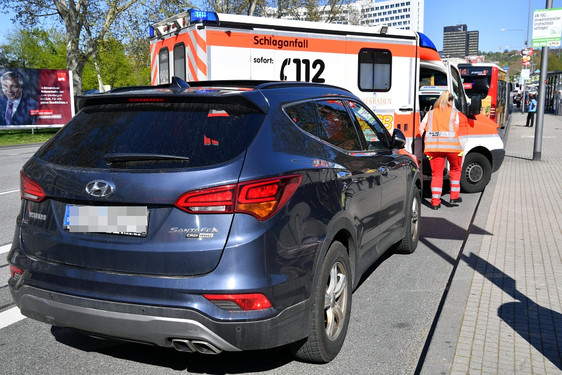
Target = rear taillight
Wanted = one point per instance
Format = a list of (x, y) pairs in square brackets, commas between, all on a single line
[(30, 189), (246, 302), (493, 112), (213, 200), (259, 198), (15, 272)]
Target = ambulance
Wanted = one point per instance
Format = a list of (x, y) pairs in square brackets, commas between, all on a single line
[(396, 72)]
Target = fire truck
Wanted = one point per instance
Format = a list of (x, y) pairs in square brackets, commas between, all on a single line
[(398, 73)]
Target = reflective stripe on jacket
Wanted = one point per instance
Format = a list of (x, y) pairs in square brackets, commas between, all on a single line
[(441, 135)]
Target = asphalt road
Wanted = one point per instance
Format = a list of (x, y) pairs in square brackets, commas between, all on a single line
[(393, 311)]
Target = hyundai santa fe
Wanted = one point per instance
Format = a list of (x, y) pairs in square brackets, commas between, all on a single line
[(212, 216)]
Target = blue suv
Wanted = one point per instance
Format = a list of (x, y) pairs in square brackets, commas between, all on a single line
[(212, 216)]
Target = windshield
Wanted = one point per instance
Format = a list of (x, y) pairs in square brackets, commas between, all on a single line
[(476, 81)]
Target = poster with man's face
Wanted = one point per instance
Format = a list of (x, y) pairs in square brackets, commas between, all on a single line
[(35, 97)]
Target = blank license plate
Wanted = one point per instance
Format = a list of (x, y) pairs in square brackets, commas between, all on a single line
[(128, 220)]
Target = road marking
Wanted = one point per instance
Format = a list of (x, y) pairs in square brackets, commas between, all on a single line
[(9, 192), (5, 248), (10, 317)]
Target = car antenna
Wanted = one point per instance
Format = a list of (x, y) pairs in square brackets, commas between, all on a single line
[(178, 85)]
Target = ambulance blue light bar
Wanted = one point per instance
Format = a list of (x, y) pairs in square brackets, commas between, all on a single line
[(202, 16), (426, 42)]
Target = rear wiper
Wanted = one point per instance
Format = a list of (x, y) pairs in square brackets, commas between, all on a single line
[(140, 157)]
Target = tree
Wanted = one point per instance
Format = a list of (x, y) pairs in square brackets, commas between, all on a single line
[(311, 10), (113, 64), (86, 23), (34, 49)]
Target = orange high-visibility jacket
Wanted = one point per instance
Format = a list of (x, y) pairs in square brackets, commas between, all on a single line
[(441, 132)]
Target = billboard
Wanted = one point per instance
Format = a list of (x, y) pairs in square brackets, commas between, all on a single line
[(547, 27), (35, 98)]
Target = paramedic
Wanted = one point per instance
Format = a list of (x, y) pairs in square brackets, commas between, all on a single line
[(441, 126)]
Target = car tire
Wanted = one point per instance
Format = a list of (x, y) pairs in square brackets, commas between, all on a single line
[(476, 173), (331, 309), (412, 225)]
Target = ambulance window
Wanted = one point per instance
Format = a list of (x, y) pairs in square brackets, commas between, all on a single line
[(335, 125), (432, 77), (374, 69), (458, 91), (179, 61), (163, 66)]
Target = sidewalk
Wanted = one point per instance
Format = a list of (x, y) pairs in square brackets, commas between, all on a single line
[(503, 312)]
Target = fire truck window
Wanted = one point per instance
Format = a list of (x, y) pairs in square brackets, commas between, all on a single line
[(179, 61), (335, 125), (374, 70), (163, 66)]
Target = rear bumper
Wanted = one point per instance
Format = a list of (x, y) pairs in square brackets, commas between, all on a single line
[(159, 325)]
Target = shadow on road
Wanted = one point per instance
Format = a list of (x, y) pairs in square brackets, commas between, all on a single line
[(539, 326), (224, 363)]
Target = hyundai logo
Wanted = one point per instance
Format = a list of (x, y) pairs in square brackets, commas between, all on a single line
[(100, 188)]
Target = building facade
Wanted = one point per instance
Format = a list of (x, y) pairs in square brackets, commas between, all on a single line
[(401, 14), (459, 42)]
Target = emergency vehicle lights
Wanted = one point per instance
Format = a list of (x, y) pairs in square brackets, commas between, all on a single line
[(202, 16), (426, 42)]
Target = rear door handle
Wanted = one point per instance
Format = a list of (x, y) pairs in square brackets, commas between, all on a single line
[(406, 109)]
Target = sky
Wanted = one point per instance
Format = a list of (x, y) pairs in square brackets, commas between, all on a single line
[(488, 17)]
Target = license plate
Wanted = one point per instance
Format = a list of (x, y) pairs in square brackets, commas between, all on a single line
[(125, 220)]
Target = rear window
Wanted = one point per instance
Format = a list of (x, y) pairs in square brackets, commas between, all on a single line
[(144, 136)]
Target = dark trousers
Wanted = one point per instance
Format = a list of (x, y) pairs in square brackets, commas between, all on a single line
[(530, 118)]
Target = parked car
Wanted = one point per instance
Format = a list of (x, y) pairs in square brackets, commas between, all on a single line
[(212, 216)]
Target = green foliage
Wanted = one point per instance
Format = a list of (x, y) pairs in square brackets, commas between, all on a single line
[(115, 66), (120, 65), (34, 49), (513, 60), (17, 137)]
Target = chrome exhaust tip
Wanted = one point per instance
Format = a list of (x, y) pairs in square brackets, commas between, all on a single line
[(182, 345), (192, 346), (204, 347)]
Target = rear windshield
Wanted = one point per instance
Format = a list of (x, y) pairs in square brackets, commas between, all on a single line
[(163, 135)]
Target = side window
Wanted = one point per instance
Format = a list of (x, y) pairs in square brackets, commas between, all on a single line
[(335, 125), (163, 66), (458, 91), (432, 77), (375, 133), (179, 61), (374, 69), (304, 115)]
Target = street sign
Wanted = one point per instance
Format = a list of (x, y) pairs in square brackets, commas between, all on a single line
[(547, 27)]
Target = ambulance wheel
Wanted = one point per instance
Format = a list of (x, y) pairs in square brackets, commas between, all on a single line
[(331, 309), (476, 173)]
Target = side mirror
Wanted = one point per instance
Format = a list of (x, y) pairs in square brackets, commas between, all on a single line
[(475, 106), (398, 139)]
